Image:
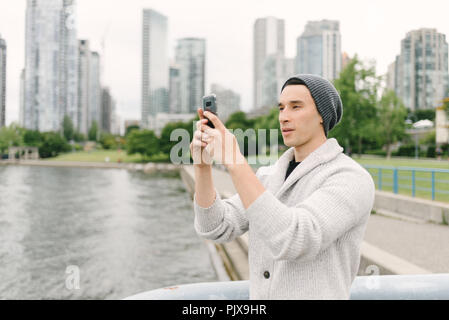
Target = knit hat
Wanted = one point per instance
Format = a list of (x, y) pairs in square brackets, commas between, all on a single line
[(327, 99)]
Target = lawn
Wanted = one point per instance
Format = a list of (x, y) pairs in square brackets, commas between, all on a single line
[(423, 180)]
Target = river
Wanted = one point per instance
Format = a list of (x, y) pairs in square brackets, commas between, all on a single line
[(72, 233)]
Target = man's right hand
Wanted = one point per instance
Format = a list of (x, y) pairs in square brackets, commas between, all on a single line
[(198, 150)]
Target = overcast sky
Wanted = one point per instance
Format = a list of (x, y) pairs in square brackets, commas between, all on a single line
[(372, 29)]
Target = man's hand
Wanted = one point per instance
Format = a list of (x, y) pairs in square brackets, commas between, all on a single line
[(200, 155), (221, 144)]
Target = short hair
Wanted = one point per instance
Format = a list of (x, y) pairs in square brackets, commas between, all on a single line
[(292, 82)]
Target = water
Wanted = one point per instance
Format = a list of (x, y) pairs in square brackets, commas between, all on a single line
[(125, 232)]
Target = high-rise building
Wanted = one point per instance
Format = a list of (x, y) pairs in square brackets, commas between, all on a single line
[(2, 82), (94, 90), (391, 76), (22, 98), (51, 70), (276, 71), (174, 99), (89, 88), (107, 109), (420, 71), (191, 59), (319, 49), (269, 40), (155, 65), (228, 101)]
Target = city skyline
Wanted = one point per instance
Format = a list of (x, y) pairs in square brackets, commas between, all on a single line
[(3, 58), (361, 34)]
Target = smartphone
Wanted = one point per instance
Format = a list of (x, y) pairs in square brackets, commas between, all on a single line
[(210, 104)]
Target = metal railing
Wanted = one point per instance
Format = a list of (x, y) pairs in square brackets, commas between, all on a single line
[(387, 287), (425, 181)]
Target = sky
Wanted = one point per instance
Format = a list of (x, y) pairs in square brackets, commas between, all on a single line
[(371, 29)]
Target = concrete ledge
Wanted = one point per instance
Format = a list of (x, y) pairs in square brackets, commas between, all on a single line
[(423, 209), (375, 261)]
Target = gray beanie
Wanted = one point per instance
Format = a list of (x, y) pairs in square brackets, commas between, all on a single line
[(327, 99)]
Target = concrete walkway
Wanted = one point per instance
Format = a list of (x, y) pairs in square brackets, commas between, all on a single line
[(421, 244), (425, 245)]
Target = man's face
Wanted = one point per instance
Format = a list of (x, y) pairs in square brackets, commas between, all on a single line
[(298, 113)]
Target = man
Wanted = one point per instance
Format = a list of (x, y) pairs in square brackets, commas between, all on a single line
[(306, 215)]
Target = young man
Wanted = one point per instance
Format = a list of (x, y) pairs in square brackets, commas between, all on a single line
[(306, 215)]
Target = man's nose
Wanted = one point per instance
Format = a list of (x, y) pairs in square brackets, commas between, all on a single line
[(284, 116)]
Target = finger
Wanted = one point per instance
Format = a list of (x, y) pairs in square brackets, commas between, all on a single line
[(201, 113), (209, 131), (198, 144), (212, 117), (200, 136), (200, 122)]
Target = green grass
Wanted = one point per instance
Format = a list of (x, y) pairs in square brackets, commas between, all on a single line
[(422, 179)]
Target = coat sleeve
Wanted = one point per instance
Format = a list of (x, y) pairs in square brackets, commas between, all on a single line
[(223, 221), (304, 230)]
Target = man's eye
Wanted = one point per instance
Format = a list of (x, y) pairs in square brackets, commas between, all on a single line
[(296, 107)]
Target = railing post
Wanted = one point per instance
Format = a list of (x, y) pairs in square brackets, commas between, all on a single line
[(395, 180), (413, 183), (433, 185), (380, 179)]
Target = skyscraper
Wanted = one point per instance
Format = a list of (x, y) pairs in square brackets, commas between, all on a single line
[(89, 88), (107, 106), (2, 82), (419, 75), (319, 49), (228, 101), (51, 70), (191, 59), (269, 40), (155, 65), (276, 70), (174, 99)]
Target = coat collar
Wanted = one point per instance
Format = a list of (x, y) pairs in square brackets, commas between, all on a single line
[(324, 153)]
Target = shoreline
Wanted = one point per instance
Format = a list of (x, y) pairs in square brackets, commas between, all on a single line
[(145, 167)]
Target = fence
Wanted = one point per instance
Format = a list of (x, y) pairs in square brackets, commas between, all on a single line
[(417, 182)]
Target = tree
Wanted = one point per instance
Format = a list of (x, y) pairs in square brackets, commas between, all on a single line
[(426, 114), (52, 145), (32, 138), (67, 126), (391, 118), (10, 137), (79, 137), (238, 121), (131, 128), (270, 121), (143, 142), (358, 86), (93, 131), (109, 141)]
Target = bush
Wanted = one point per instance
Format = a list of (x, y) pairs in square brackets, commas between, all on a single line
[(78, 147), (407, 150), (52, 145), (431, 151), (376, 152), (160, 158)]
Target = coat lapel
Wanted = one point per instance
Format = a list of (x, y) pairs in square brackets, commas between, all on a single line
[(326, 152)]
